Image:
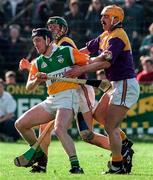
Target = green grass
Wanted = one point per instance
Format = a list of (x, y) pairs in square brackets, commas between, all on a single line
[(92, 159)]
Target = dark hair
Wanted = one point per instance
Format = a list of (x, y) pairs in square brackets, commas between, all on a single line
[(42, 32)]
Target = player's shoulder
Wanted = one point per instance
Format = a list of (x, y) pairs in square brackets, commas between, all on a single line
[(102, 35), (66, 38), (66, 41), (119, 33), (61, 47), (34, 60)]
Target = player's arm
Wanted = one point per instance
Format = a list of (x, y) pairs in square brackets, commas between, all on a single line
[(6, 117), (77, 71), (106, 58), (91, 47), (80, 58), (35, 78), (84, 67), (84, 50)]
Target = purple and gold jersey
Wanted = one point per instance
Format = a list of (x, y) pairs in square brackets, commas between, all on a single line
[(122, 66), (66, 41)]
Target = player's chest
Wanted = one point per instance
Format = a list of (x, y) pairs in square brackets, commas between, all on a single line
[(54, 63)]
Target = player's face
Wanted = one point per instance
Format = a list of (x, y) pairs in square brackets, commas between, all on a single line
[(40, 44), (55, 29), (106, 22)]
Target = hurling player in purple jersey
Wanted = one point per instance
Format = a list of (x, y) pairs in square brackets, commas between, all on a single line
[(119, 69)]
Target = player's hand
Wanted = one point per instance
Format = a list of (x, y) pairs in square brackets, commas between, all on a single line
[(41, 76), (76, 71), (24, 64), (107, 55)]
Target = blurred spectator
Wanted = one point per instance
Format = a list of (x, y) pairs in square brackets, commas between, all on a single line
[(146, 75), (134, 18), (7, 119), (75, 20), (43, 12), (11, 9), (134, 24), (3, 52), (10, 77), (92, 18), (148, 11), (83, 6), (2, 20), (151, 52), (147, 42), (35, 19), (16, 48), (44, 9)]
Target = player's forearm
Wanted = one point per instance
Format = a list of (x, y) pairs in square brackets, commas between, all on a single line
[(104, 56), (95, 66), (31, 85)]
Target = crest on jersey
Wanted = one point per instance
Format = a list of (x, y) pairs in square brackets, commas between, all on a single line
[(60, 59), (50, 59), (43, 65)]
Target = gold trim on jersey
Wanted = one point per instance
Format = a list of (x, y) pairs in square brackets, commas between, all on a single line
[(117, 33)]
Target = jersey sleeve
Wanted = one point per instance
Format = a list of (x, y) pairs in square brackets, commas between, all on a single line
[(93, 45), (33, 71), (66, 41), (80, 58), (68, 44), (11, 104)]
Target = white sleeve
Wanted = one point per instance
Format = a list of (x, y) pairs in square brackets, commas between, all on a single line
[(11, 104)]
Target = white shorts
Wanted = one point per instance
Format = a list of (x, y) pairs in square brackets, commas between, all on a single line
[(68, 99), (87, 98), (125, 92)]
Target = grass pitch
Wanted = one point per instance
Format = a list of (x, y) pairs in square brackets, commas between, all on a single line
[(92, 159)]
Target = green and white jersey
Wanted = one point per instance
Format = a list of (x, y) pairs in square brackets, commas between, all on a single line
[(60, 61)]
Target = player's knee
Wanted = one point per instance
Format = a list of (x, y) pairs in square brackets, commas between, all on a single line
[(87, 135), (18, 125), (58, 131)]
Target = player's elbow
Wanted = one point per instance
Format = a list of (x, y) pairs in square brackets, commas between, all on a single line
[(28, 88)]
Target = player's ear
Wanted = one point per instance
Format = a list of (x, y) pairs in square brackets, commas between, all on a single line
[(50, 43)]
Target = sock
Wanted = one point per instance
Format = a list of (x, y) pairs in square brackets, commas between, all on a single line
[(117, 158), (74, 161), (117, 164), (43, 161), (117, 161), (123, 135), (41, 157)]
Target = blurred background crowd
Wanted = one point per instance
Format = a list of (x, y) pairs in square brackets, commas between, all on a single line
[(19, 17)]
